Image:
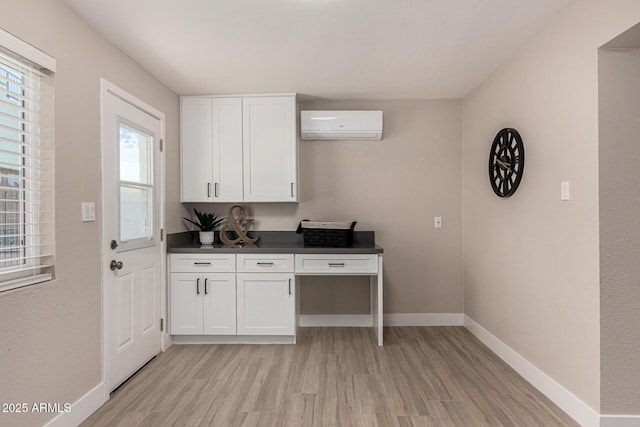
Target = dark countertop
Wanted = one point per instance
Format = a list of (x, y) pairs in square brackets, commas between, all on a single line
[(271, 242)]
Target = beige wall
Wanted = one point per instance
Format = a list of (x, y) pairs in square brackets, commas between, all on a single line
[(531, 261), (619, 87), (50, 334), (395, 187)]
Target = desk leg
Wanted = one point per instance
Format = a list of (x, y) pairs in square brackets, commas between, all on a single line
[(297, 315), (375, 304)]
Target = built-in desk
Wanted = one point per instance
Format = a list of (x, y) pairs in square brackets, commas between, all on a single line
[(201, 279)]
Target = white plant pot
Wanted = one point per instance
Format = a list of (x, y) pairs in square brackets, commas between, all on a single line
[(206, 237)]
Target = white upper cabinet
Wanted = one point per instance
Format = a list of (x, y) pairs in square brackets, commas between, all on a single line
[(239, 149), (196, 149), (270, 149), (227, 149)]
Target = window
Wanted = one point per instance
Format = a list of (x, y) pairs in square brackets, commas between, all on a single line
[(136, 186), (27, 246)]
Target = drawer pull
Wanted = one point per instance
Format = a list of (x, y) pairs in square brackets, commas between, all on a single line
[(289, 286), (198, 286), (205, 286), (336, 264), (202, 263), (265, 264)]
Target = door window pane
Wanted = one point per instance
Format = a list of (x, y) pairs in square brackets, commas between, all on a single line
[(136, 220), (135, 156), (136, 187)]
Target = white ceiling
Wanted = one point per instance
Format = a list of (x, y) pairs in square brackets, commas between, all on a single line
[(400, 49)]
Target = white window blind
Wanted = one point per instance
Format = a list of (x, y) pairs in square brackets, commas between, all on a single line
[(27, 243)]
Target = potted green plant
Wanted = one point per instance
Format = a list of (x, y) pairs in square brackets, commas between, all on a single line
[(207, 223)]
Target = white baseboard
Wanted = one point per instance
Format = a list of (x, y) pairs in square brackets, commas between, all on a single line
[(233, 339), (81, 409), (167, 341), (391, 319), (619, 420), (424, 319), (328, 320), (572, 405)]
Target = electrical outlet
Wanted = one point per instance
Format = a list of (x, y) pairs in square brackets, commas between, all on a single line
[(437, 222)]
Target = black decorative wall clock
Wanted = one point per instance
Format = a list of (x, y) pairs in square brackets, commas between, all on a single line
[(506, 162)]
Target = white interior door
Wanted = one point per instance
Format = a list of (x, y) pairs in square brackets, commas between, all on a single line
[(132, 252)]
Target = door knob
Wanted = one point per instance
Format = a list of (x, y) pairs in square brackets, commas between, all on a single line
[(113, 244), (115, 265)]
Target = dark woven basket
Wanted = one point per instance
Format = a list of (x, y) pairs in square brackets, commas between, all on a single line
[(327, 237)]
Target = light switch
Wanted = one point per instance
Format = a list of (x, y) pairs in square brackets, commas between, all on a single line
[(565, 190), (88, 211)]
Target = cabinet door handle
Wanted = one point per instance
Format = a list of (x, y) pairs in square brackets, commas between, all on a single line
[(292, 190), (289, 286), (202, 263), (208, 189), (205, 286), (336, 264), (215, 189), (198, 286), (266, 264)]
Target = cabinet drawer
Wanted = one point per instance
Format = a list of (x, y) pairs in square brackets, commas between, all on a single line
[(265, 263), (203, 263), (336, 264)]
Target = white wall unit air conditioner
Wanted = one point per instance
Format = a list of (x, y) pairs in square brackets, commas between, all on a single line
[(365, 125)]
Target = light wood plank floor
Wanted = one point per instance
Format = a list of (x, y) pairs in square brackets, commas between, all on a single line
[(423, 376)]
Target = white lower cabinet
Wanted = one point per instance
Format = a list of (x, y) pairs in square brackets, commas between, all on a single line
[(203, 304), (208, 297), (252, 297), (219, 316), (266, 303)]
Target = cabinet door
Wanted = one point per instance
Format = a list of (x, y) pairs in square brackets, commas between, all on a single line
[(219, 304), (186, 304), (196, 168), (270, 145), (227, 149), (266, 304)]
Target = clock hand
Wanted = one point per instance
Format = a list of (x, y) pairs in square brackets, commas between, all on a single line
[(504, 164)]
